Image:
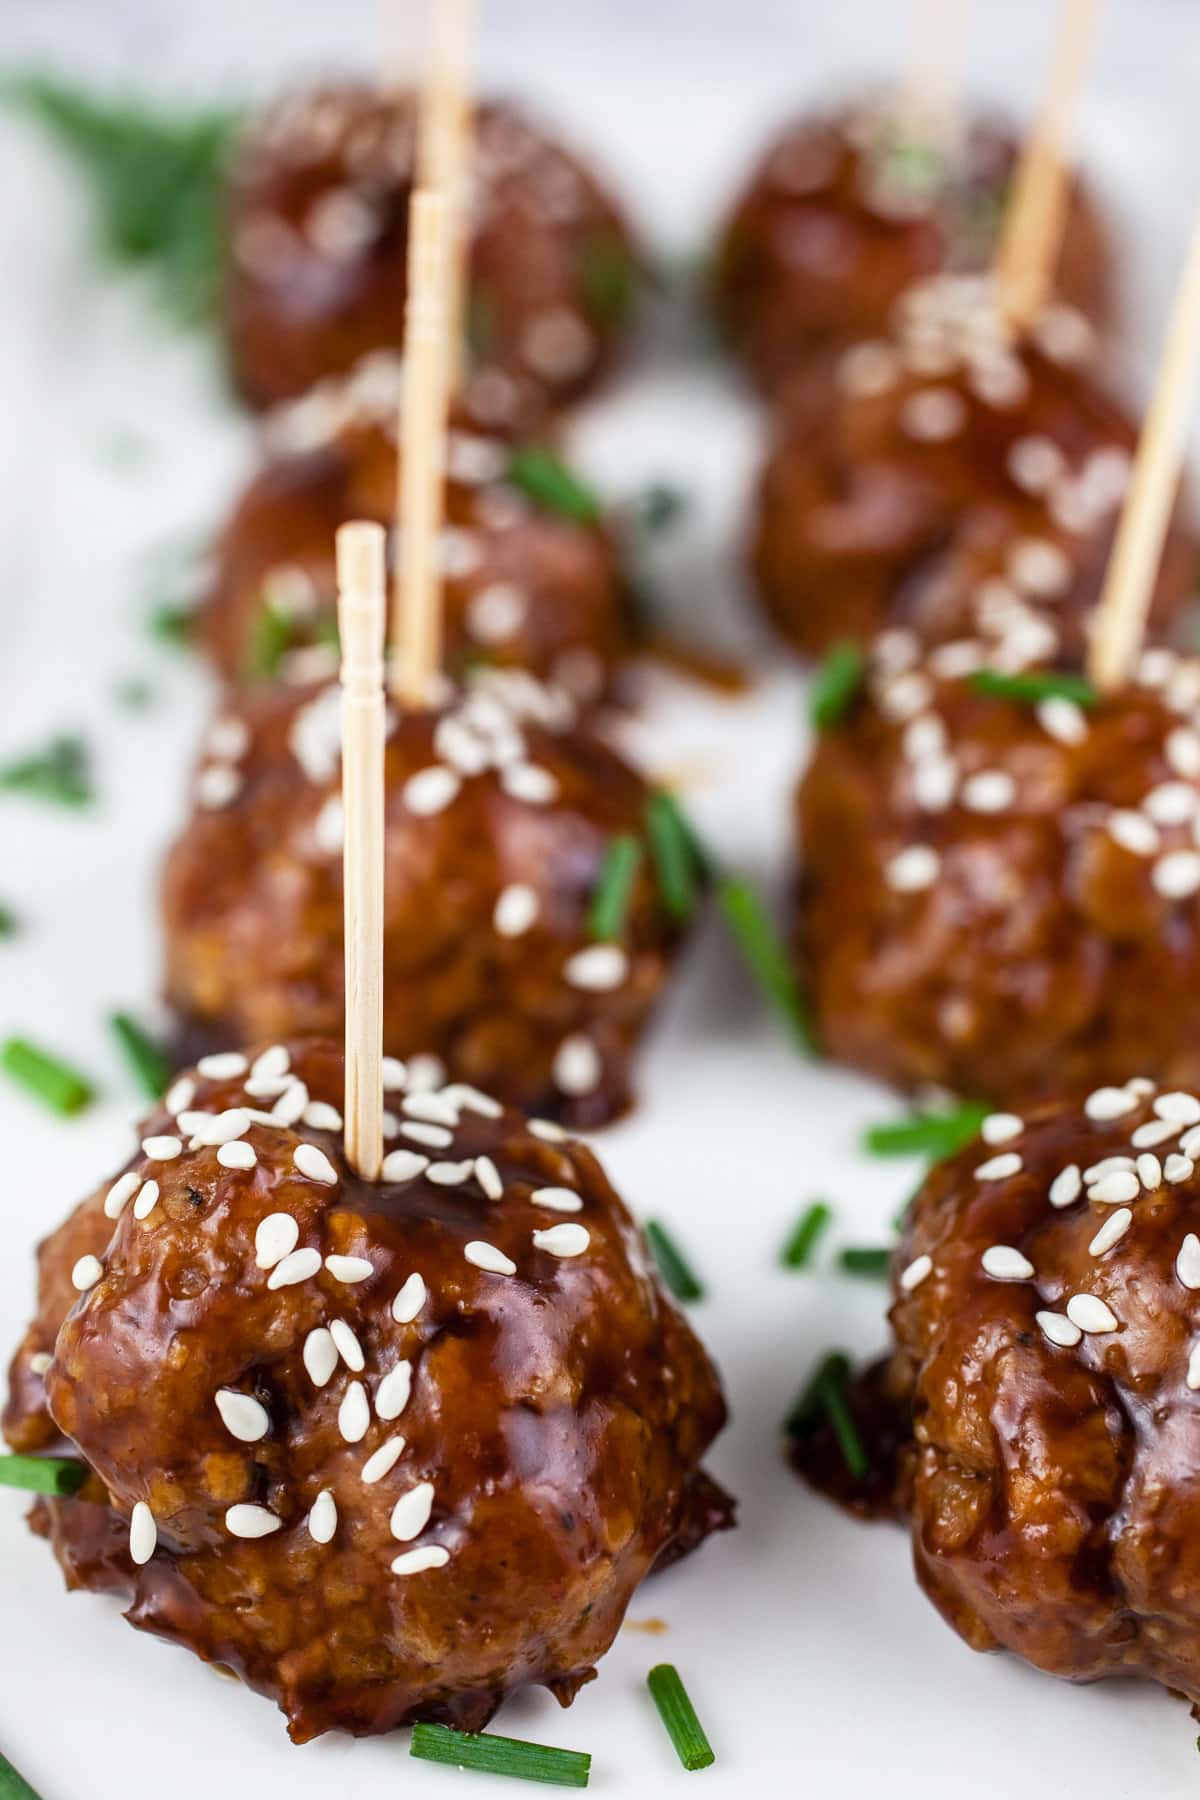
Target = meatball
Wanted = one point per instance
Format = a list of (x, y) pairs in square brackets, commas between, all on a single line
[(845, 212), (502, 817), (1000, 890), (386, 1450), (531, 580), (318, 226), (945, 441), (1046, 1329)]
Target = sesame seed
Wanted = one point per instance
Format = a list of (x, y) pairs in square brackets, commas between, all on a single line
[(1115, 1189), (409, 1300), (1001, 1128), (1171, 803), (1109, 1165), (214, 1129), (577, 1068), (146, 1200), (403, 1165), (1189, 1143), (1154, 1131), (383, 1460), (410, 1515), (1178, 1168), (395, 1074), (563, 1240), (1091, 1314), (1182, 751), (161, 1149), (322, 1520), (1066, 1186), (449, 1174), (598, 969), (548, 1131), (120, 1193), (313, 1162), (487, 1257), (180, 1095), (217, 786), (516, 910), (1039, 567), (222, 1067), (291, 1105), (237, 1156), (244, 1417), (933, 414), (1141, 1085), (1176, 876), (245, 1521), (990, 791), (143, 1534), (488, 1177), (1035, 463), (1109, 1103), (320, 1355), (1111, 1232), (557, 1199), (999, 1168), (1193, 1369), (912, 869), (1059, 1329), (430, 790), (1133, 831), (435, 1136), (40, 1361), (354, 1413), (1003, 1263), (277, 1234), (439, 1108), (349, 1269), (299, 1266), (414, 1562), (496, 613), (271, 1063), (917, 1271), (425, 1071), (392, 1394), (529, 782), (868, 369), (1187, 1263), (1063, 719), (347, 1345), (1149, 1171), (1180, 1108)]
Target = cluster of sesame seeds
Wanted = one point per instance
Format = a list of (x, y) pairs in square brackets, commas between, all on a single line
[(219, 779)]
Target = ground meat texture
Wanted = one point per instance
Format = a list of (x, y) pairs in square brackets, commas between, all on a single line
[(501, 815), (317, 226), (525, 585), (844, 213), (998, 895), (939, 452), (407, 1446)]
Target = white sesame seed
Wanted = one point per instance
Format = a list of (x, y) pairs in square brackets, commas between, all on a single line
[(277, 1234), (906, 695), (1178, 1168), (410, 1515), (912, 869), (1187, 1263), (1003, 1263), (577, 1068), (990, 791), (323, 1519), (934, 782), (414, 1562), (1133, 831), (267, 1087), (1171, 803), (1063, 719), (354, 1413), (1154, 1131), (487, 1257), (999, 1168), (1193, 1368), (437, 1108), (1066, 1186), (530, 783), (1111, 1232), (1091, 1314), (161, 1149), (869, 368), (383, 1460), (313, 1162), (1109, 1103), (245, 1521), (1182, 751), (393, 1393), (1176, 876), (1059, 1329), (1035, 463), (237, 1156), (435, 1136), (395, 1074), (217, 786), (1115, 1189), (143, 1534), (320, 1355), (320, 1116), (146, 1200), (244, 1417), (214, 1129), (120, 1193), (40, 1361), (933, 414), (291, 1105), (598, 969), (1109, 1165), (449, 1174), (347, 1345), (548, 1131), (1180, 1108), (430, 790), (425, 1071), (349, 1269), (563, 1240), (1149, 1171), (271, 1063), (299, 1266), (1038, 566), (557, 1199), (409, 1300), (223, 1066), (1189, 1143), (180, 1095), (516, 910), (917, 1271), (1001, 1128), (403, 1165), (1141, 1085)]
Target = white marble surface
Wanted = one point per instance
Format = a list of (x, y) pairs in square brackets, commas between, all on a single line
[(816, 1664)]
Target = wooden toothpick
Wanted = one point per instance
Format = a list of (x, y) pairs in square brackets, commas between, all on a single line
[(417, 583), (929, 105), (362, 608), (444, 154), (1033, 227), (1120, 620)]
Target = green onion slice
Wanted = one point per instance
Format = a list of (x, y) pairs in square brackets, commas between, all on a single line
[(60, 1087), (501, 1755), (13, 1786), (673, 1266), (270, 641), (8, 922), (860, 1259), (145, 1057), (610, 901), (802, 1241), (936, 1135), (550, 484), (809, 1407), (835, 685), (765, 955), (677, 1713), (58, 774), (680, 861), (1035, 686), (56, 1475)]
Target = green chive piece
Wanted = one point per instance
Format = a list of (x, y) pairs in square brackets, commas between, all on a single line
[(270, 641), (809, 1405), (1035, 686), (607, 276), (797, 1251), (42, 1475), (58, 774), (145, 1057), (8, 922), (677, 1713), (171, 624), (835, 685), (501, 1755), (673, 1266), (765, 955), (860, 1259), (680, 861), (13, 1786), (835, 1400), (610, 902), (548, 482), (133, 693), (61, 1088), (936, 1135)]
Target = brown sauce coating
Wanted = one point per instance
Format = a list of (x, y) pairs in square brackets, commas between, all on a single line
[(490, 963), (556, 1404), (998, 896), (929, 460), (842, 215), (524, 586), (318, 223)]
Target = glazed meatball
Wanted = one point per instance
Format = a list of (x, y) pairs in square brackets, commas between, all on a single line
[(386, 1450), (502, 815), (318, 226), (845, 212), (1000, 891), (946, 443), (534, 582)]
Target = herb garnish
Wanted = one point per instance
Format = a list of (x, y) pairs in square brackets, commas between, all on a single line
[(680, 861), (677, 1713), (802, 1240), (614, 888), (500, 1755), (42, 1475), (1035, 686), (764, 954), (835, 684), (546, 480), (44, 1076), (59, 774), (935, 1135), (673, 1266), (144, 1056)]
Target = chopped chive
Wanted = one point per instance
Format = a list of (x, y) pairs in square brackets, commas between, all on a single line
[(679, 858), (610, 901), (809, 1404), (145, 1057), (798, 1249), (546, 480), (61, 1088), (270, 641), (501, 1755), (8, 922), (171, 623), (765, 954), (837, 1410), (936, 1135), (673, 1266), (58, 774), (1035, 686), (835, 684), (677, 1713), (607, 276), (859, 1259), (42, 1475), (133, 693), (13, 1786)]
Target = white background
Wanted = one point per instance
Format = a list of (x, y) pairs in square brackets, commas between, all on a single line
[(816, 1664)]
